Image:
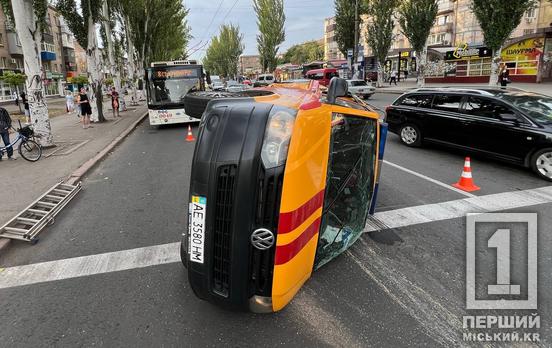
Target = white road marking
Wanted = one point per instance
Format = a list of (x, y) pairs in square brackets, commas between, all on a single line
[(169, 253), (89, 265), (437, 182), (458, 208)]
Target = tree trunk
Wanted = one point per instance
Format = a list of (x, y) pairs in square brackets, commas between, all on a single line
[(131, 62), (495, 64), (112, 67), (421, 57), (30, 37), (380, 74), (92, 59)]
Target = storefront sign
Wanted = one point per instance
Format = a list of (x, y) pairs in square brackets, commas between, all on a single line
[(464, 52), (405, 54), (524, 55)]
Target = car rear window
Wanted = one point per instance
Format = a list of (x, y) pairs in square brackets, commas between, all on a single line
[(417, 100), (447, 102), (358, 83)]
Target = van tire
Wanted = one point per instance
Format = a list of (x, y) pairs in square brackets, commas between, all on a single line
[(195, 103)]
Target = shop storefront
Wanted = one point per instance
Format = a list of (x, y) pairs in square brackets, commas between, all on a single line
[(53, 83), (8, 91), (464, 64)]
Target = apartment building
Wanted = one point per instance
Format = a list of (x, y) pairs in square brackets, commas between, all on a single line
[(331, 50), (455, 41), (57, 53), (250, 65)]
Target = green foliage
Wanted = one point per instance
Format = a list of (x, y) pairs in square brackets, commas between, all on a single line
[(77, 23), (270, 21), (499, 18), (109, 81), (7, 9), (13, 79), (158, 28), (80, 80), (303, 53), (40, 8), (380, 27), (416, 18), (224, 52), (345, 23)]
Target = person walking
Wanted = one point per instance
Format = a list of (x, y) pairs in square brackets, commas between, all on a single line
[(114, 101), (405, 75), (393, 78), (26, 105), (86, 109), (504, 76), (69, 101), (5, 124)]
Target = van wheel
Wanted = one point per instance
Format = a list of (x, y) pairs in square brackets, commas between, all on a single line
[(541, 163), (195, 103), (411, 135)]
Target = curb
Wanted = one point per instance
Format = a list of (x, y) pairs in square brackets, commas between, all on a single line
[(88, 165)]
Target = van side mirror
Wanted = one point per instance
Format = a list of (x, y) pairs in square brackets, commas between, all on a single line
[(338, 88)]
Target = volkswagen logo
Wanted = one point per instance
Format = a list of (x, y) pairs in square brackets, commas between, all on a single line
[(262, 239)]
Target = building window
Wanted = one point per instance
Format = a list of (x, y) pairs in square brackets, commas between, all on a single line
[(528, 31), (4, 62), (1, 40), (531, 13)]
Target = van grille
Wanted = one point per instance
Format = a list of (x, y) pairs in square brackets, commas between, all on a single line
[(269, 193), (223, 229)]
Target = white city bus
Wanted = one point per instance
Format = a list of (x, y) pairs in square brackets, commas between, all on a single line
[(167, 83)]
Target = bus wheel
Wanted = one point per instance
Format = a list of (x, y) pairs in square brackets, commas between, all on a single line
[(196, 102)]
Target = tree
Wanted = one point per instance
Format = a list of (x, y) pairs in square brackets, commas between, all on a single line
[(107, 14), (224, 52), (270, 20), (498, 19), (345, 24), (29, 17), (380, 31), (303, 53), (83, 28), (14, 80), (416, 19)]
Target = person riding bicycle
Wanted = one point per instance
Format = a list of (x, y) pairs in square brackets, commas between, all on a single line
[(5, 125)]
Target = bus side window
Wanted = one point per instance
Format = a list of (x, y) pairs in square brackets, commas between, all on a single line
[(349, 184)]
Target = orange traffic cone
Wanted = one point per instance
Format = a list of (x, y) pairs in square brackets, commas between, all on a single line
[(466, 181), (190, 136)]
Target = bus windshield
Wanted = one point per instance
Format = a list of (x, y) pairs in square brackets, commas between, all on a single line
[(169, 84)]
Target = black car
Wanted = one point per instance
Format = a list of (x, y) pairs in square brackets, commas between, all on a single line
[(511, 125)]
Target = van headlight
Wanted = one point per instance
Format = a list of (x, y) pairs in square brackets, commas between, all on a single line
[(277, 137)]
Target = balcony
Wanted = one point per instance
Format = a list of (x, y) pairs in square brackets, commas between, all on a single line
[(445, 6), (48, 52), (443, 28)]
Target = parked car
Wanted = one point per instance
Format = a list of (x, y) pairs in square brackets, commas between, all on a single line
[(323, 76), (235, 86), (217, 85), (264, 80), (262, 215), (360, 88), (509, 125)]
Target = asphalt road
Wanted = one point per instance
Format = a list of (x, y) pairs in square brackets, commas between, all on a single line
[(394, 288)]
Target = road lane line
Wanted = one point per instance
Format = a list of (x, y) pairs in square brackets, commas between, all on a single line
[(89, 265), (169, 253), (458, 208), (437, 182)]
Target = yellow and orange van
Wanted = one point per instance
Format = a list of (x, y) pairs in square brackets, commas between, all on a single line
[(283, 180)]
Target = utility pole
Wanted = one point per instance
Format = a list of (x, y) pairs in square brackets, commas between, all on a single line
[(355, 49)]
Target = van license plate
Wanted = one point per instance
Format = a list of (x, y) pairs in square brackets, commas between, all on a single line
[(196, 228)]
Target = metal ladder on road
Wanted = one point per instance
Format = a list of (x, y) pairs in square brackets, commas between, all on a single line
[(30, 221)]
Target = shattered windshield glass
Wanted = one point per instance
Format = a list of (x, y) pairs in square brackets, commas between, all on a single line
[(349, 185)]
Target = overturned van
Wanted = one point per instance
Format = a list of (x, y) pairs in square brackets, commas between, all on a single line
[(283, 181)]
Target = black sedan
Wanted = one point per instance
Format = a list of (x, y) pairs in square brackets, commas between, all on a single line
[(511, 125)]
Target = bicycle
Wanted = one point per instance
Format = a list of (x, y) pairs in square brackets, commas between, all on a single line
[(29, 149)]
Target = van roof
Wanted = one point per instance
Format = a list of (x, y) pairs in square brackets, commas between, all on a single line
[(314, 71)]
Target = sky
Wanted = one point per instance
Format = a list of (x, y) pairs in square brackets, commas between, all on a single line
[(304, 22)]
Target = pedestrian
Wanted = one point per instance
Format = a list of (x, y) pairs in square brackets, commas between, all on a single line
[(504, 76), (69, 101), (26, 105), (393, 77), (405, 74), (114, 101), (16, 98), (5, 125), (86, 109)]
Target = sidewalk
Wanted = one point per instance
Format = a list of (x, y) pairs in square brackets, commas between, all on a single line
[(21, 182), (542, 88)]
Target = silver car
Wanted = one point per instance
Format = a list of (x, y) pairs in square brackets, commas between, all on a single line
[(360, 88)]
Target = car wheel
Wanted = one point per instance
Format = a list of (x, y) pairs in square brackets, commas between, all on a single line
[(196, 102), (410, 135), (541, 163)]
